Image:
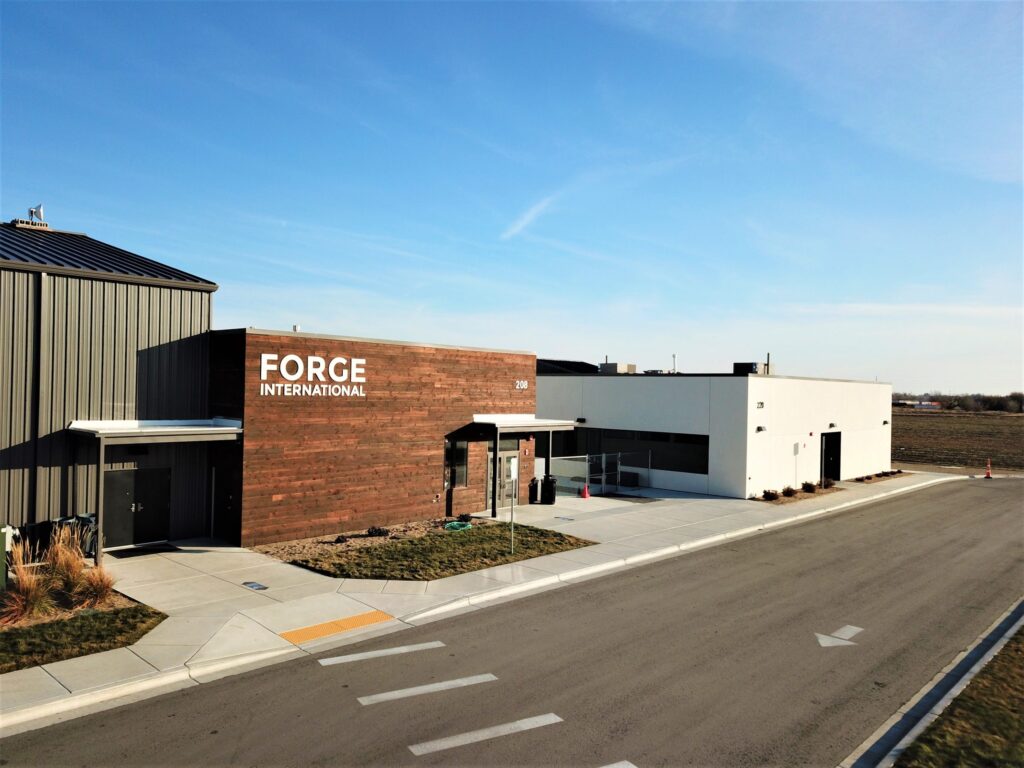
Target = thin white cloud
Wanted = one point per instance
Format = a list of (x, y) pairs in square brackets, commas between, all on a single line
[(527, 217), (915, 310)]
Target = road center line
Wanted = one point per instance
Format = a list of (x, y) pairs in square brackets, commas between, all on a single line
[(483, 734), (383, 652), (419, 690)]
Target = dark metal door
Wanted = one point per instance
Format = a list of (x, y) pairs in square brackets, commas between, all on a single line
[(136, 506), (831, 454), (226, 477), (118, 498)]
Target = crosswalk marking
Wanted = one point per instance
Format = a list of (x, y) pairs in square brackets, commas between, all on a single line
[(380, 653), (483, 734), (419, 690)]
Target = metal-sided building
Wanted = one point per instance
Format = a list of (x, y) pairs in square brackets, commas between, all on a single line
[(120, 404), (723, 434)]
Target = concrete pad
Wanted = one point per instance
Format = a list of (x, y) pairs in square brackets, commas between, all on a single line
[(183, 630), (272, 575), (165, 657), (394, 587), (238, 637), (146, 570), (323, 587), (463, 584), (217, 561), (305, 612), (402, 605), (26, 687), (170, 595), (363, 585), (660, 540), (555, 564), (515, 573), (224, 608), (590, 555), (98, 670)]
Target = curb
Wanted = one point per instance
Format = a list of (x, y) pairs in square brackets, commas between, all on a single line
[(462, 603), (927, 709), (27, 718)]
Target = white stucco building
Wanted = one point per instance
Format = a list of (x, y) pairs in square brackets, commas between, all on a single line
[(726, 435)]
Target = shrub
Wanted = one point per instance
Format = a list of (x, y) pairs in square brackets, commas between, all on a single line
[(899, 471), (465, 517), (808, 487), (770, 495), (28, 594), (828, 482), (64, 559), (878, 474), (375, 530), (93, 588), (861, 479), (789, 491)]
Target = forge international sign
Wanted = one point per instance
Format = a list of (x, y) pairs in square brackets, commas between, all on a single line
[(312, 376)]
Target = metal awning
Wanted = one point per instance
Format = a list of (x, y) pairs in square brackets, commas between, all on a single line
[(522, 422), (119, 431)]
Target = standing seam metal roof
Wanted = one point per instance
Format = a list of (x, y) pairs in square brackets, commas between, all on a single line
[(54, 250)]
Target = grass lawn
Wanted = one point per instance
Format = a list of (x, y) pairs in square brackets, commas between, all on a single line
[(441, 553), (984, 725), (88, 631)]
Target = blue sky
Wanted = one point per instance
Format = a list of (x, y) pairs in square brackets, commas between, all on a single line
[(838, 184)]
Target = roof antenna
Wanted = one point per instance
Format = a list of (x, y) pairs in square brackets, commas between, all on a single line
[(36, 213)]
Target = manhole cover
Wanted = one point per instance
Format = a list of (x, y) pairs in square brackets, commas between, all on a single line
[(254, 585)]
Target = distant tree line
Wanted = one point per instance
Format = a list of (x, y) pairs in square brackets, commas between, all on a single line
[(1011, 403)]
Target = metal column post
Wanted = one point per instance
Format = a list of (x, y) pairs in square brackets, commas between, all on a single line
[(494, 472), (99, 500)]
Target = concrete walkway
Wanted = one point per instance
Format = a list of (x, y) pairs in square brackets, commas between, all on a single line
[(219, 624)]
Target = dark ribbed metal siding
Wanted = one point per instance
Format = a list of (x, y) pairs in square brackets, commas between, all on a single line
[(107, 350), (17, 384)]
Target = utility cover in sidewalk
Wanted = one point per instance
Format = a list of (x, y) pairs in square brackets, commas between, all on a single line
[(254, 585)]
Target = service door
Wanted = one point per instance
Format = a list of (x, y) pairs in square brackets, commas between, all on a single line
[(831, 455), (136, 506)]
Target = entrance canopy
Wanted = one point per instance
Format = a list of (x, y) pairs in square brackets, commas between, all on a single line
[(522, 422), (118, 432), (516, 423)]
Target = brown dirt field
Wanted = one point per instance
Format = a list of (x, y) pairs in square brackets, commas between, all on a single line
[(948, 438)]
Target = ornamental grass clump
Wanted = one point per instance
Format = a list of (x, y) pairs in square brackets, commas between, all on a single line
[(64, 560), (28, 593), (808, 487), (94, 588), (789, 491)]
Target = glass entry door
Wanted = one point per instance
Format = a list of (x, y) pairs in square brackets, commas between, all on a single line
[(508, 473)]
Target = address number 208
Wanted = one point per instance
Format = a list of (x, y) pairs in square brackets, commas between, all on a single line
[(522, 384)]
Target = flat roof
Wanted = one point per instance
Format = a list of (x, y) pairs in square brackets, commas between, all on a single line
[(704, 376), (161, 430), (523, 422), (37, 248), (333, 337)]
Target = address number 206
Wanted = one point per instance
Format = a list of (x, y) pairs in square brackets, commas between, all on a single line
[(522, 384)]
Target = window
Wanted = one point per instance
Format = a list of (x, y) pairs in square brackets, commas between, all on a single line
[(456, 463)]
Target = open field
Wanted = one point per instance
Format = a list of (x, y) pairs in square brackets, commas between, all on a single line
[(960, 439)]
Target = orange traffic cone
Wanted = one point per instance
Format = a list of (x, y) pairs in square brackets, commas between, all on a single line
[(988, 470), (585, 493)]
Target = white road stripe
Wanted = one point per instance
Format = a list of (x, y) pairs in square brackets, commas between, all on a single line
[(378, 654), (483, 734), (419, 690), (620, 764), (847, 632)]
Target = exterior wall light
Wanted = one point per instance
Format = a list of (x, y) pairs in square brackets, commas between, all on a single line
[(581, 420), (762, 429), (832, 425), (884, 422)]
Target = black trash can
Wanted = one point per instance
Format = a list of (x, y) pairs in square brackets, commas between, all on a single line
[(534, 490), (547, 490)]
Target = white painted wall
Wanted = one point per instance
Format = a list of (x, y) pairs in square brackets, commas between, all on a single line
[(741, 461), (796, 412)]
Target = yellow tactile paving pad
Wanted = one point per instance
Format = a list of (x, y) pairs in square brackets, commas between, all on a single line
[(327, 628)]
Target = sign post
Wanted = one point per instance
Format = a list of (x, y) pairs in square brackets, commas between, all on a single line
[(512, 512)]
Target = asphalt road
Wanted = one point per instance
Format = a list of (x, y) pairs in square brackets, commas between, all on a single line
[(707, 659)]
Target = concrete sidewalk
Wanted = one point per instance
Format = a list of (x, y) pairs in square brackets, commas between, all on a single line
[(218, 626)]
